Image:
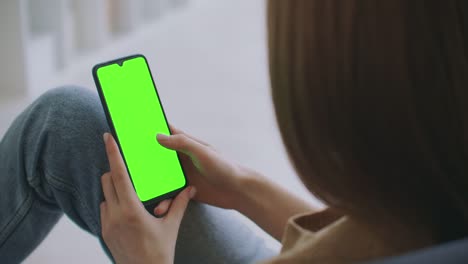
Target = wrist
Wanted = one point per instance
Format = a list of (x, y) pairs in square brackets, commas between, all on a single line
[(247, 182)]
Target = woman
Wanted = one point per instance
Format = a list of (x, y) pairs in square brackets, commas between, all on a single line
[(370, 98)]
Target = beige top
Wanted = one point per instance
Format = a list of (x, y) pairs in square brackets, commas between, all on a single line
[(319, 238)]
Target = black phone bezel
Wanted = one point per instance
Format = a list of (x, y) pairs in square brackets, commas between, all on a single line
[(149, 205)]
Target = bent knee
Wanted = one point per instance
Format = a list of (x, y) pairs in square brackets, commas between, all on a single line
[(73, 109), (74, 97)]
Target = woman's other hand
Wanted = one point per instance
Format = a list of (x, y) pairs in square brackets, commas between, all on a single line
[(222, 183), (129, 231), (217, 180)]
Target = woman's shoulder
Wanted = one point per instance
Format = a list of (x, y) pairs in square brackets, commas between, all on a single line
[(326, 237)]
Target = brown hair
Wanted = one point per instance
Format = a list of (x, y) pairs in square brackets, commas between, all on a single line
[(371, 98)]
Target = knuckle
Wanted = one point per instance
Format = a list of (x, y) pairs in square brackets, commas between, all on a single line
[(105, 179), (117, 176), (181, 141)]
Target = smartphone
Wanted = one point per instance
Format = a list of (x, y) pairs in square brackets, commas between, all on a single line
[(135, 115)]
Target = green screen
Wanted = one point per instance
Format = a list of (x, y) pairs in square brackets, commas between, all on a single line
[(137, 115)]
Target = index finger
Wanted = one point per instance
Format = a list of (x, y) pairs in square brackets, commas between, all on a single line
[(176, 131), (123, 185)]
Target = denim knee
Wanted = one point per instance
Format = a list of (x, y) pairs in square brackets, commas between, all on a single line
[(66, 153), (72, 103), (72, 112), (72, 120)]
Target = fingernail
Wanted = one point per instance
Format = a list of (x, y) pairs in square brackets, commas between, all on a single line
[(192, 192), (105, 137), (162, 137)]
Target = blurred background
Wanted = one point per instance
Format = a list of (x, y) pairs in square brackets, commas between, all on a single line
[(209, 60)]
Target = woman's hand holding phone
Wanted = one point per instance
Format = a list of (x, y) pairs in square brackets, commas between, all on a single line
[(129, 231)]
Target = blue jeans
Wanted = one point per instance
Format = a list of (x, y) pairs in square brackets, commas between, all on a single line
[(51, 161)]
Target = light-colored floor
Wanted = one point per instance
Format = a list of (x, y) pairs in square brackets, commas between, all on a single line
[(210, 66)]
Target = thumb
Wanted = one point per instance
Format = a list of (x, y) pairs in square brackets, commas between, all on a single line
[(179, 204)]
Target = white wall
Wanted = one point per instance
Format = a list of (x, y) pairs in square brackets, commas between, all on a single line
[(12, 52), (43, 39)]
